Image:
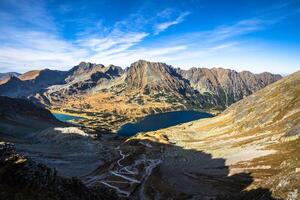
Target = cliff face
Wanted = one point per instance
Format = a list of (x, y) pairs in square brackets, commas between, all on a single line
[(22, 178), (253, 147), (227, 86)]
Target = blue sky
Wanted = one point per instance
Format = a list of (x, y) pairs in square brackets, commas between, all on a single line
[(256, 35)]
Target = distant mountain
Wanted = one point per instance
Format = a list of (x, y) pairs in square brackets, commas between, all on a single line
[(225, 85), (81, 79), (222, 86), (31, 82), (155, 77), (143, 88), (44, 78), (86, 76), (83, 71), (4, 77), (250, 151)]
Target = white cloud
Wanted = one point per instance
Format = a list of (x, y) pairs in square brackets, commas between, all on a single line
[(40, 45), (163, 26)]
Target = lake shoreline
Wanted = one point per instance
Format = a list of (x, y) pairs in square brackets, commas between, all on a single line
[(158, 121)]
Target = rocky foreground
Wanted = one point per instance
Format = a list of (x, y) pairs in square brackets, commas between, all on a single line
[(39, 155), (22, 178)]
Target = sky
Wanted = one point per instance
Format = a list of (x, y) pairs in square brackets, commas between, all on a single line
[(253, 35)]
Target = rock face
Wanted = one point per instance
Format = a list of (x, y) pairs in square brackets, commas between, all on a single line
[(22, 178), (155, 77), (227, 86), (250, 151)]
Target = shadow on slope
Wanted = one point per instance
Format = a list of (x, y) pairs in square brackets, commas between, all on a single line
[(22, 178), (155, 170)]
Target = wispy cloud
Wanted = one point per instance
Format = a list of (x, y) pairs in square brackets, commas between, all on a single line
[(30, 38), (163, 26), (237, 29)]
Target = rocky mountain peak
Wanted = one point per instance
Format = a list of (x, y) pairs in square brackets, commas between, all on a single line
[(225, 85), (154, 76), (83, 70), (113, 70)]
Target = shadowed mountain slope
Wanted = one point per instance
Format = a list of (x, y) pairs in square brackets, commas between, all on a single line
[(4, 77), (22, 178), (22, 116), (31, 83)]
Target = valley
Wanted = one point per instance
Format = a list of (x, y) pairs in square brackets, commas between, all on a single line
[(108, 96), (171, 144)]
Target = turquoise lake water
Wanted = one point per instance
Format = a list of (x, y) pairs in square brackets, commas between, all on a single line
[(161, 120), (64, 117)]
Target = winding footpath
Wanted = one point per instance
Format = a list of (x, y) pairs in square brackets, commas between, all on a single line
[(125, 178)]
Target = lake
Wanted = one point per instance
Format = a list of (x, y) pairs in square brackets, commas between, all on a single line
[(64, 117), (161, 120)]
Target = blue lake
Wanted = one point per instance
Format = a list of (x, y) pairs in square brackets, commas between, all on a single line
[(161, 120), (64, 117)]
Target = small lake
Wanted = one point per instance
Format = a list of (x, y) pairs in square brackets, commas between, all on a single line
[(162, 120), (64, 117)]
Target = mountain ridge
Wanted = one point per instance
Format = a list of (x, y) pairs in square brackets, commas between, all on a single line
[(90, 89)]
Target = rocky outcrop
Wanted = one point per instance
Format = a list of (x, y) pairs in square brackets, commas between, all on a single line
[(22, 178)]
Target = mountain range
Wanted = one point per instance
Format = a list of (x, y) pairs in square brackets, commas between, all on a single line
[(88, 90)]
